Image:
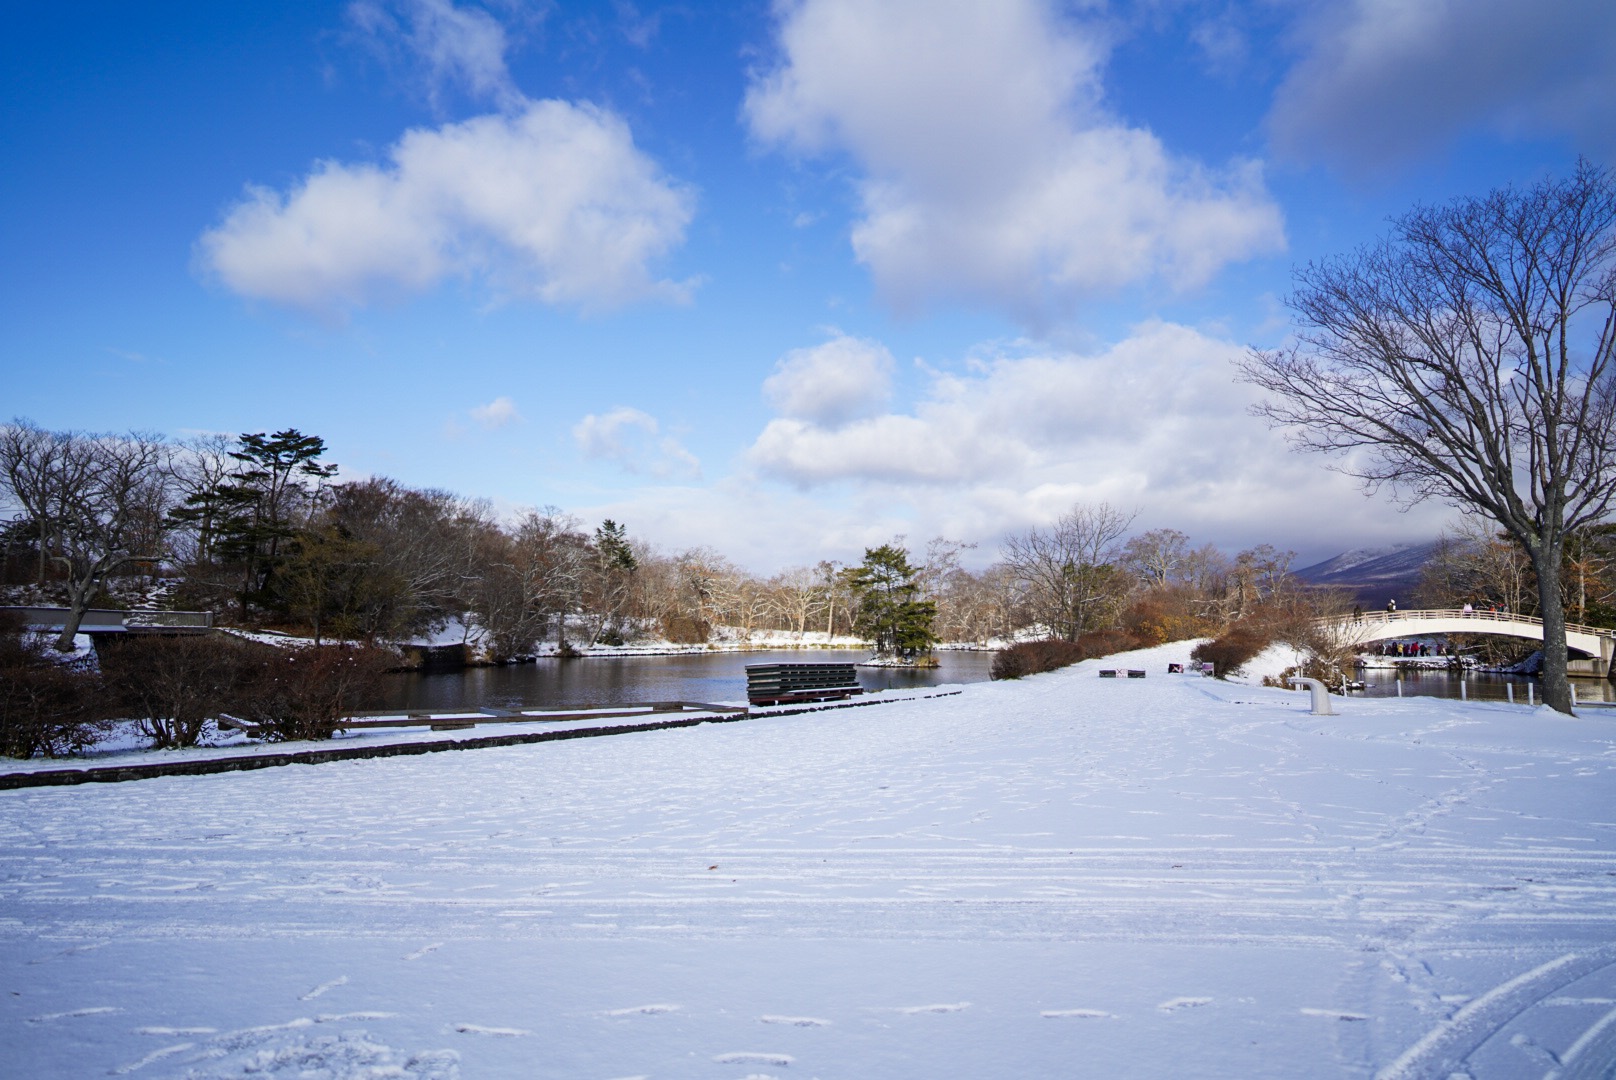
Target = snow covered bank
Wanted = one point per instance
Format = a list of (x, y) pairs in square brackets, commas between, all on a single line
[(1058, 876)]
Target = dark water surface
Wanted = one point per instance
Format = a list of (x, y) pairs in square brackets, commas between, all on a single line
[(1480, 686), (590, 680)]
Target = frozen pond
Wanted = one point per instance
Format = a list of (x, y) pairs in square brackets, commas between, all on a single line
[(716, 677)]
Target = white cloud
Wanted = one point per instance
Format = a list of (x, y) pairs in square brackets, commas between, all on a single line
[(633, 440), (1155, 422), (554, 203), (1381, 81), (990, 169), (497, 413), (831, 383), (451, 45)]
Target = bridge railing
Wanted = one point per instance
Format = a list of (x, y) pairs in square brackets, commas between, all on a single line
[(1388, 617), (104, 619)]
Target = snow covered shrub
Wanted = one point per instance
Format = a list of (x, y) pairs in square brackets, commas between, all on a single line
[(303, 693), (172, 686), (1231, 651), (47, 702)]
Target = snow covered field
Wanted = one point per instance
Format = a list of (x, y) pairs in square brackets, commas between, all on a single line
[(1064, 876)]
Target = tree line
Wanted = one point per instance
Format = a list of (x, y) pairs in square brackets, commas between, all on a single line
[(261, 530)]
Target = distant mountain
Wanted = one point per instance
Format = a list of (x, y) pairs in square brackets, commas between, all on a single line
[(1374, 575)]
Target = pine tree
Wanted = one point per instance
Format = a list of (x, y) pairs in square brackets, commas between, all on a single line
[(885, 589)]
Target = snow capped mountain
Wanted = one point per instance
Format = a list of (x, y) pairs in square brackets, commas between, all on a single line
[(1374, 574)]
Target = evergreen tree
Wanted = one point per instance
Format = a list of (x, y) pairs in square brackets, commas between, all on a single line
[(254, 513), (886, 593)]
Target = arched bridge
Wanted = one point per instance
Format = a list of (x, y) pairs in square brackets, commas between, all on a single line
[(1596, 645)]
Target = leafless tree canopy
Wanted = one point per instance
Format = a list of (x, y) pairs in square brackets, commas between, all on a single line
[(1468, 357), (96, 501), (1068, 569)]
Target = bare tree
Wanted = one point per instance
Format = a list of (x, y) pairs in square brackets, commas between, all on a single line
[(1157, 557), (1470, 357), (1068, 571), (31, 469), (100, 499), (797, 595), (200, 466)]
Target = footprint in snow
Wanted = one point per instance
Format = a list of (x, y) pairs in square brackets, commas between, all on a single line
[(1077, 1014), (795, 1021), (478, 1029), (424, 950), (748, 1057), (1334, 1014), (915, 1010), (96, 1010), (1174, 1004), (641, 1010), (341, 980), (155, 1055)]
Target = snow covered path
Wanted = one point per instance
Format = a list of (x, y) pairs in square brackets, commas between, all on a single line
[(1061, 876)]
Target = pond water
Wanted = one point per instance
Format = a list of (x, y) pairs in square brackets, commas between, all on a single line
[(721, 676), (1382, 682), (599, 680)]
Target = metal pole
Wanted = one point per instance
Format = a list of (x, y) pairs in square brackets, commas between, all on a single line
[(1399, 686), (1529, 697), (1464, 692), (1573, 694), (1509, 689)]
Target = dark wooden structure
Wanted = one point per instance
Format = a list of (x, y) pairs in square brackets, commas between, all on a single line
[(461, 719), (785, 684)]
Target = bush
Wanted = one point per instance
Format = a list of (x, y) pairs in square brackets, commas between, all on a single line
[(303, 693), (685, 630), (1165, 615), (1105, 642), (1033, 657), (1231, 651), (48, 704), (172, 686)]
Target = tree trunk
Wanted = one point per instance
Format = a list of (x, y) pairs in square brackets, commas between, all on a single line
[(1551, 605), (80, 595)]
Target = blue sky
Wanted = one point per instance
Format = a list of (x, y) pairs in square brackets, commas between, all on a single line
[(784, 280)]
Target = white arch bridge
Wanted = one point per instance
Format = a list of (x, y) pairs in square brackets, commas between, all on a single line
[(1592, 648)]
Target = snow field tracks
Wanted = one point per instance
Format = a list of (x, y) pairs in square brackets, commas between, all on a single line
[(1065, 857)]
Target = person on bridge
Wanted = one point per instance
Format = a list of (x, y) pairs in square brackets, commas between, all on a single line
[(1468, 610), (1391, 606)]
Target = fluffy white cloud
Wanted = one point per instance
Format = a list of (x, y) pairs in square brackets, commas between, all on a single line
[(1386, 80), (633, 440), (554, 202), (991, 171), (497, 413), (831, 383), (463, 46), (1155, 422)]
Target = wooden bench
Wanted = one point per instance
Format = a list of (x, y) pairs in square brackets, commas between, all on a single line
[(784, 684)]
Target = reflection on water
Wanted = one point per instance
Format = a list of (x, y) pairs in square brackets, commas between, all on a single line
[(714, 677), (1486, 686), (719, 677)]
